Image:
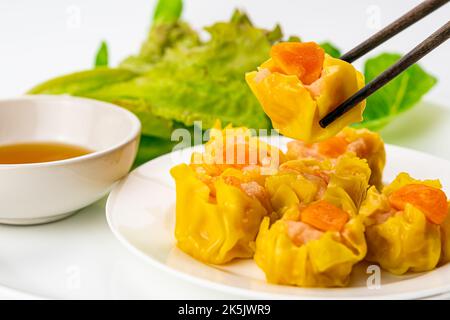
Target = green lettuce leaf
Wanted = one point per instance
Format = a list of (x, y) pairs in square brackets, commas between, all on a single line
[(183, 82), (167, 11), (162, 37), (166, 32), (401, 94), (205, 82), (331, 49), (151, 147), (294, 39), (80, 83), (191, 100), (101, 58)]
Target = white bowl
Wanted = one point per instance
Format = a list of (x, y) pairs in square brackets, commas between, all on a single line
[(43, 192)]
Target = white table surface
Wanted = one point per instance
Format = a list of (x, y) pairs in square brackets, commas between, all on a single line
[(79, 257)]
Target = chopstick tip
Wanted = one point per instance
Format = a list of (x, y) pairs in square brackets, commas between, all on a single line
[(324, 122)]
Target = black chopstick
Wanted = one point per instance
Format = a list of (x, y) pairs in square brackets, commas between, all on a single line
[(411, 17), (433, 41)]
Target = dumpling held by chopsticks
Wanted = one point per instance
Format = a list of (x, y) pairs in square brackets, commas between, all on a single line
[(300, 84)]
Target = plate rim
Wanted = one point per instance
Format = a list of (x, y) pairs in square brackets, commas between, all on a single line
[(247, 293)]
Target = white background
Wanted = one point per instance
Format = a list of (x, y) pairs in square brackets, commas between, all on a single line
[(46, 38)]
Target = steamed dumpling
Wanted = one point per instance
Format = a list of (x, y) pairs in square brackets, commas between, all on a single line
[(407, 225), (362, 142), (300, 84), (313, 245)]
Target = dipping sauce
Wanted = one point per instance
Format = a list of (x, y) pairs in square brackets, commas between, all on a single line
[(35, 152)]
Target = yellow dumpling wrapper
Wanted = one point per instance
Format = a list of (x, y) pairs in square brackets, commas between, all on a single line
[(238, 147), (403, 241), (445, 239), (370, 146), (220, 195), (304, 181), (352, 175), (323, 262), (364, 143), (214, 230), (290, 186), (295, 108)]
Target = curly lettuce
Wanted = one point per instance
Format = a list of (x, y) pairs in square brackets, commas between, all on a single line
[(176, 78)]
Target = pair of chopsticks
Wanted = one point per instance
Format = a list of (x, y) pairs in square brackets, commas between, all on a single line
[(433, 41)]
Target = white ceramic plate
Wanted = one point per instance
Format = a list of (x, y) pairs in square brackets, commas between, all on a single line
[(140, 212)]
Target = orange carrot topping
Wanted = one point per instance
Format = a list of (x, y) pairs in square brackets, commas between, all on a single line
[(303, 59), (432, 201), (324, 216), (333, 147)]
